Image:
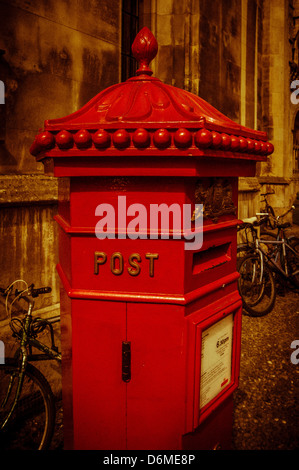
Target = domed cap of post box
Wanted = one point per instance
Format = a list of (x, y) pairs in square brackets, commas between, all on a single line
[(143, 116)]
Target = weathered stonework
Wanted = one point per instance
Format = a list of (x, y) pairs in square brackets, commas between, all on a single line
[(28, 189)]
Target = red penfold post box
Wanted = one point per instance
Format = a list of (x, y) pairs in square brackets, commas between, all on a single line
[(150, 317)]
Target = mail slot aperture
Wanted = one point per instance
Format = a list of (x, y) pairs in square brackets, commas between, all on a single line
[(211, 258)]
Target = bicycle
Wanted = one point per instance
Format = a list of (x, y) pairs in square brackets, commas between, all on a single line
[(250, 229), (256, 283), (27, 404)]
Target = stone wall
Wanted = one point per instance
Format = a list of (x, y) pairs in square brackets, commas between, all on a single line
[(235, 54), (57, 56), (278, 173), (28, 234)]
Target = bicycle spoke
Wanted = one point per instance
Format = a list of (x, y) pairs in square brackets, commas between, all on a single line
[(31, 423)]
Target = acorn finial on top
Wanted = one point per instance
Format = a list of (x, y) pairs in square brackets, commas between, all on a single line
[(144, 48)]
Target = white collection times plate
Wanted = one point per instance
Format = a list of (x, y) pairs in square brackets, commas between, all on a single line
[(216, 359)]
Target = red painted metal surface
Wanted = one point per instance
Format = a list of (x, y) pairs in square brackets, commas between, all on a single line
[(153, 144), (143, 116)]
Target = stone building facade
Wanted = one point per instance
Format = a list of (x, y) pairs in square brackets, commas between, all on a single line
[(239, 55)]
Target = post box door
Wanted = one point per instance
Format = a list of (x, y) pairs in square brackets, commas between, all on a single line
[(99, 393), (155, 394)]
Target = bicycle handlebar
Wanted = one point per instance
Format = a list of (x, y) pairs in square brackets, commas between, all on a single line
[(283, 215), (34, 292), (41, 290), (30, 291)]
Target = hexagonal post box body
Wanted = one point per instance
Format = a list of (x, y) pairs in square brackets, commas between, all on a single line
[(150, 310)]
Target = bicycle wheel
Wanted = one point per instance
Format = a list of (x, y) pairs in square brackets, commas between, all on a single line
[(31, 424), (293, 261), (258, 295)]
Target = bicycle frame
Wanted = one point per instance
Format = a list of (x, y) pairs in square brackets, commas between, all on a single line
[(48, 353), (267, 205), (22, 354), (274, 262), (28, 340)]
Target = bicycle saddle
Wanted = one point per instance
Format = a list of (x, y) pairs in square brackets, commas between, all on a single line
[(249, 220)]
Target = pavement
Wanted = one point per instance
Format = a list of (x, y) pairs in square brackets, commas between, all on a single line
[(266, 413)]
